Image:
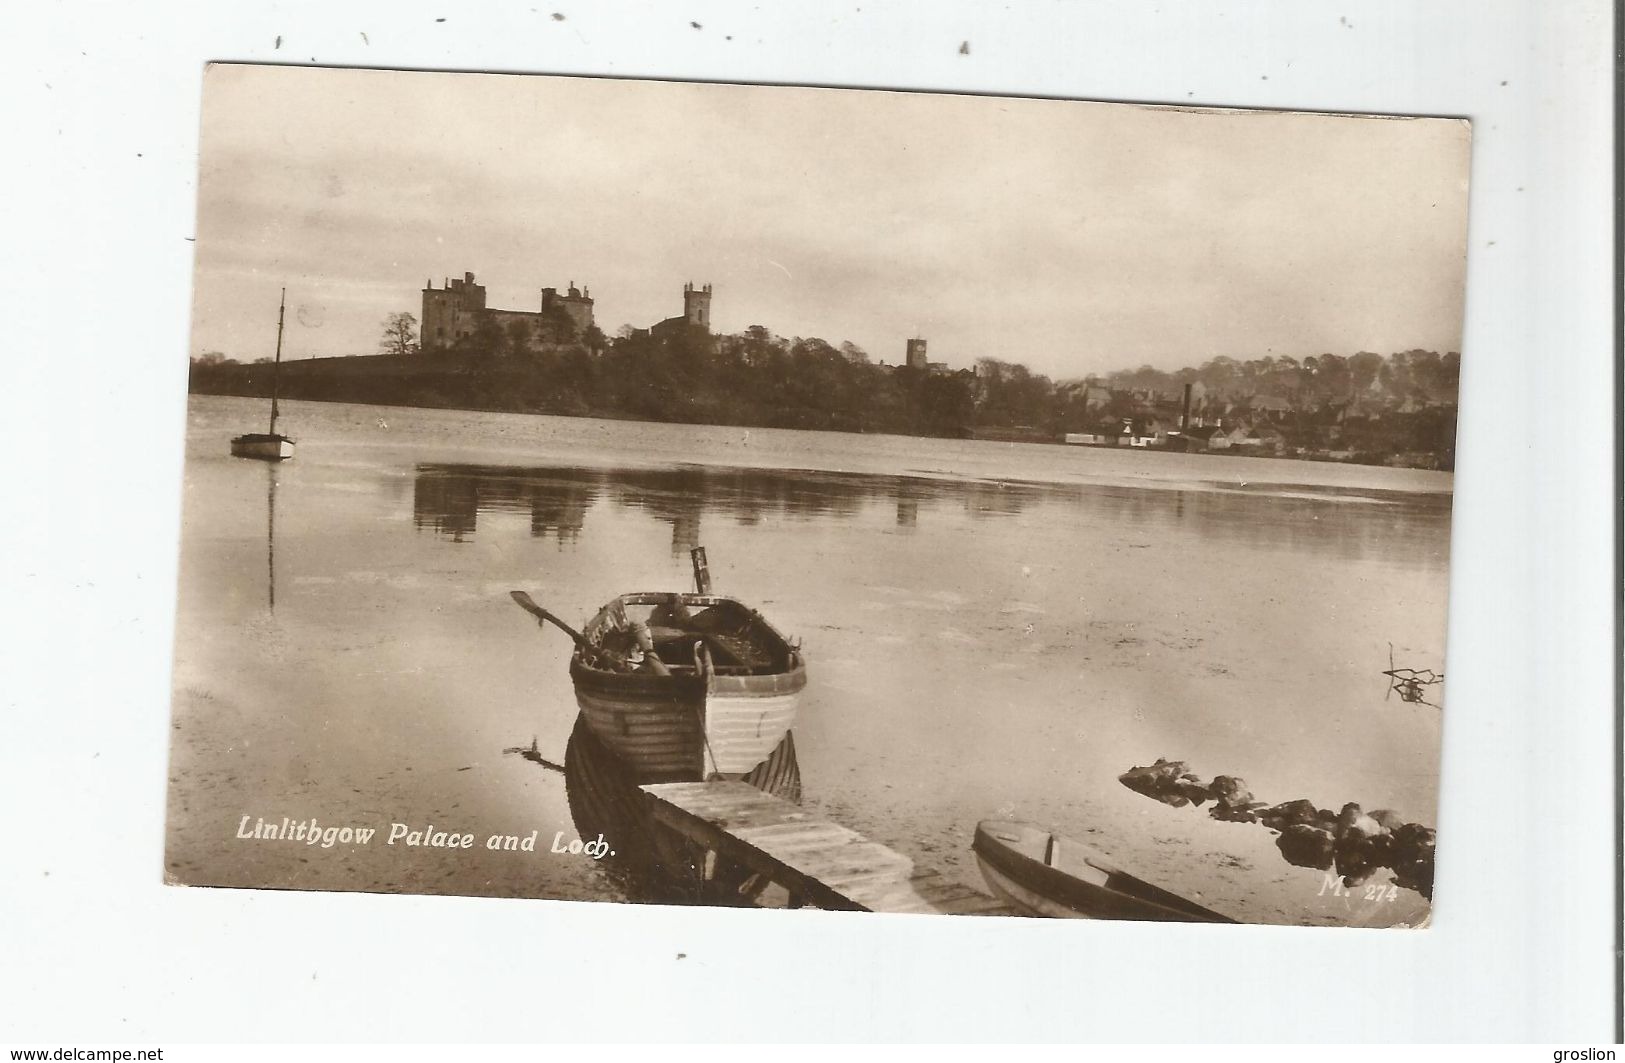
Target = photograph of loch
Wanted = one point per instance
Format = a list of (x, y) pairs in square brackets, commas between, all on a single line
[(775, 497)]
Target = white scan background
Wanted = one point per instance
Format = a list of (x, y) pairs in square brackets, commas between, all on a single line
[(101, 186)]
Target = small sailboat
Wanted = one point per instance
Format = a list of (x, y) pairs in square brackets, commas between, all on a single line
[(268, 445)]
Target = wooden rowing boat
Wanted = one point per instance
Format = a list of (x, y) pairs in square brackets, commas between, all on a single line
[(1044, 874), (712, 695), (683, 687)]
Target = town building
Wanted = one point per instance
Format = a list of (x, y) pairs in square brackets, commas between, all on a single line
[(1273, 407), (914, 357), (1212, 437), (1104, 434), (1095, 396)]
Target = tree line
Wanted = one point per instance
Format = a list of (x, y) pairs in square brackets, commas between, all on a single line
[(1408, 376), (757, 378)]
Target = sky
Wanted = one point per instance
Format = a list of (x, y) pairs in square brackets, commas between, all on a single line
[(1074, 237)]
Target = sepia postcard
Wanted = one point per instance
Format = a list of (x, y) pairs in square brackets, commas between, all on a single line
[(778, 497)]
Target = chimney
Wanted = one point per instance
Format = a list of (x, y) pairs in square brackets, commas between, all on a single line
[(1185, 415)]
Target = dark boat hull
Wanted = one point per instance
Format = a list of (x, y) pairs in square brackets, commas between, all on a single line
[(654, 864), (263, 446)]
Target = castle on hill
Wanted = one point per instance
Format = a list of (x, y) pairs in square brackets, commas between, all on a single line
[(456, 312)]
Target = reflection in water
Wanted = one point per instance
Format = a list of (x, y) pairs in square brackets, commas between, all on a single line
[(1394, 527), (448, 498), (270, 536)]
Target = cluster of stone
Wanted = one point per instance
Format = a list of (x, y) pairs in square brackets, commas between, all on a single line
[(1357, 843)]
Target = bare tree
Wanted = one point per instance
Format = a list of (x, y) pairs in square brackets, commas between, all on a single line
[(400, 334)]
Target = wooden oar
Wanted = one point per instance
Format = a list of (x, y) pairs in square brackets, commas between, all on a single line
[(528, 604), (588, 650)]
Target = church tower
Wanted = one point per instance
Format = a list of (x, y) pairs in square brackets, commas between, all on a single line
[(697, 306), (916, 355)]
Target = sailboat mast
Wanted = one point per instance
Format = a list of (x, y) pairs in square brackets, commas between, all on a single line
[(276, 368)]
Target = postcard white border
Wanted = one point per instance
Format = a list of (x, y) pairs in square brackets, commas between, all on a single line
[(102, 186)]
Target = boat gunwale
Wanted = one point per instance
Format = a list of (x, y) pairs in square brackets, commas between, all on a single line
[(1070, 891), (263, 437), (789, 680)]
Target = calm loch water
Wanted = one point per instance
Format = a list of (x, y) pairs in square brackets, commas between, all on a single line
[(991, 629)]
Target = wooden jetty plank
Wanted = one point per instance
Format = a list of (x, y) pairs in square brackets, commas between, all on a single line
[(707, 798), (922, 893), (746, 816), (848, 870), (754, 819), (716, 799), (795, 837), (789, 830), (896, 897), (818, 861)]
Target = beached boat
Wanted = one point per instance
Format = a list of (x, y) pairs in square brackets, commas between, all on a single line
[(1044, 874), (683, 687), (268, 445)]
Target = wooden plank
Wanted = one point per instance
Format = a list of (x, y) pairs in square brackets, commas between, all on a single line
[(745, 823), (704, 798), (793, 834), (800, 885), (815, 860), (717, 813), (894, 898), (855, 862)]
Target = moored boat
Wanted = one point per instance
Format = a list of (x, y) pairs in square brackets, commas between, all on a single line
[(683, 687), (729, 694), (269, 445), (1041, 873)]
